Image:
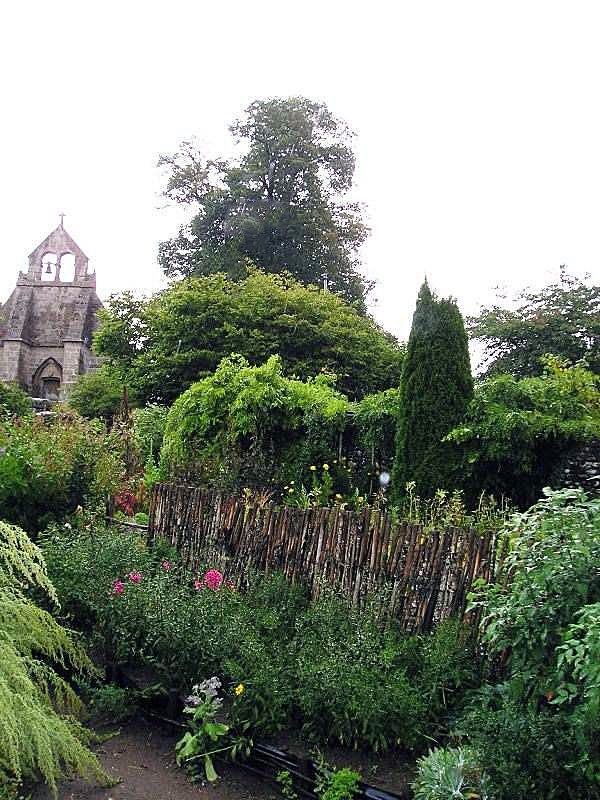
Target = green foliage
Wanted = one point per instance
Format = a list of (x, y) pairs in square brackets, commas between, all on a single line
[(553, 564), (13, 401), (284, 779), (280, 204), (562, 319), (578, 664), (450, 774), (50, 467), (251, 425), (38, 734), (148, 430), (338, 784), (165, 344), (435, 390), (97, 394), (536, 732), (207, 736), (516, 431), (331, 670), (107, 701), (375, 419), (531, 755), (446, 509), (351, 685)]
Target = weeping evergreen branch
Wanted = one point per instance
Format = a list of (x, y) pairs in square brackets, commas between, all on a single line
[(39, 735)]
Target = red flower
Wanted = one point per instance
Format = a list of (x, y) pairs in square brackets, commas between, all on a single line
[(213, 579), (118, 587), (135, 577)]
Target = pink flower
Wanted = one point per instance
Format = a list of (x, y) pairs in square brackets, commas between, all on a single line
[(199, 585), (231, 585), (213, 579), (135, 577), (166, 565), (118, 587)]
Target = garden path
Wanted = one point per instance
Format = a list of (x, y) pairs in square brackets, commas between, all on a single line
[(142, 756)]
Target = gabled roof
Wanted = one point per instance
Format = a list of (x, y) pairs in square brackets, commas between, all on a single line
[(60, 242)]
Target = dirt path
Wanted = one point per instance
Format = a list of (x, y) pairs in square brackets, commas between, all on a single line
[(142, 756)]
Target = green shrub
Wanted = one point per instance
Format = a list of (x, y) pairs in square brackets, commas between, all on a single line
[(97, 394), (148, 430), (350, 684), (554, 569), (251, 426), (338, 784), (516, 432), (536, 732), (50, 467), (13, 401), (534, 755)]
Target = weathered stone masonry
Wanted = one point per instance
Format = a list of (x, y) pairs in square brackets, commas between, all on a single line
[(47, 324)]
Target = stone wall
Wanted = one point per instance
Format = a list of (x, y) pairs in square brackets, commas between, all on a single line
[(580, 469)]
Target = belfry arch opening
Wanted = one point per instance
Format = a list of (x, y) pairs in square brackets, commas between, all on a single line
[(49, 267), (67, 267)]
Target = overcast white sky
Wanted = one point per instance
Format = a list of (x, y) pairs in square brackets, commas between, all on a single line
[(478, 129)]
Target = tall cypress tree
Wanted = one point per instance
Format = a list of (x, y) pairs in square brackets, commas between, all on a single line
[(435, 389)]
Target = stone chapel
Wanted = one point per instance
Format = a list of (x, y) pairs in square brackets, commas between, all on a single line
[(46, 326)]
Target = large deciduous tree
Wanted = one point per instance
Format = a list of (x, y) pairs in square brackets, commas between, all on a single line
[(562, 320), (435, 390), (281, 203), (163, 345)]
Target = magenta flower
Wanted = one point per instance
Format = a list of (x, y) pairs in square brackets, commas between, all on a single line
[(199, 585), (135, 577), (166, 565), (213, 579), (118, 587)]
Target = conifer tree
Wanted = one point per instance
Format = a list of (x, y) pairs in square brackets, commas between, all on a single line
[(435, 389)]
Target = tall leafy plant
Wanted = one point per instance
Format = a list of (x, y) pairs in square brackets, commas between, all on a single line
[(38, 734), (435, 390)]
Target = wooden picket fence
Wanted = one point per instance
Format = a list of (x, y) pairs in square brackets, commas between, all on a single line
[(419, 577)]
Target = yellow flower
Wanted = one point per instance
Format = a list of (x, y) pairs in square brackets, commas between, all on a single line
[(290, 491), (326, 467), (338, 497), (360, 499), (313, 468), (239, 689), (292, 483)]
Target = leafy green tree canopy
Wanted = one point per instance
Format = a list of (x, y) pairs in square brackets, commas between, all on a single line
[(280, 204), (97, 394), (251, 426), (563, 320), (435, 390), (165, 344)]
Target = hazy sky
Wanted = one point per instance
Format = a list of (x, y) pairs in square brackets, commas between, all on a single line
[(477, 129)]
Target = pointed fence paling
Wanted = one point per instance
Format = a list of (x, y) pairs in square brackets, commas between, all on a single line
[(419, 577)]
